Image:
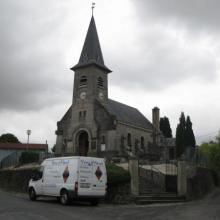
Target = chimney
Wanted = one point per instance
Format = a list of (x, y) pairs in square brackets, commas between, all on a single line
[(156, 117)]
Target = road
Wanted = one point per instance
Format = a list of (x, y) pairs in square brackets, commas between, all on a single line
[(17, 206)]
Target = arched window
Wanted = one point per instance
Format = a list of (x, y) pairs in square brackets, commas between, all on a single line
[(83, 81), (142, 142), (129, 139), (103, 139), (100, 82)]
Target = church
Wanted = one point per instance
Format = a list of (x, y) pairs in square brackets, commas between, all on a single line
[(96, 125)]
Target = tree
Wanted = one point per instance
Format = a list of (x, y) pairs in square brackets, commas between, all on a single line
[(165, 127), (212, 151), (180, 135), (9, 138), (189, 134), (184, 135)]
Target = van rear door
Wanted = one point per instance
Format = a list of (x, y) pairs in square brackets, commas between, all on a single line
[(85, 176), (99, 177)]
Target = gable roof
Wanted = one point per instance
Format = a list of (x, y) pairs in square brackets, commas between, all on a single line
[(19, 146), (128, 114), (91, 52), (123, 113), (67, 114)]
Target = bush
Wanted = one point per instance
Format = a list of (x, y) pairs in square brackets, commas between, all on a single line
[(212, 152), (28, 157), (117, 175)]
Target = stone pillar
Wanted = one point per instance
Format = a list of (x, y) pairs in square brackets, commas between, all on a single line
[(59, 144), (134, 172), (156, 118), (181, 178)]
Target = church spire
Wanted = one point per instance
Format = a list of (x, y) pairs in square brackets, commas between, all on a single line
[(91, 52)]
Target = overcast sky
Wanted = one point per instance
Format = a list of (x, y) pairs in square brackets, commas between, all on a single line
[(162, 53)]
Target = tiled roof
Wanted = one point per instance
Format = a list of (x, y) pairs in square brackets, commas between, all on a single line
[(128, 114), (19, 146)]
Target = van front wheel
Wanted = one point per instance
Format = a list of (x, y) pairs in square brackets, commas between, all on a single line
[(32, 194), (64, 197)]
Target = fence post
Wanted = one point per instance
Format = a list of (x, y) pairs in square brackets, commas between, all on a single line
[(181, 178), (134, 172)]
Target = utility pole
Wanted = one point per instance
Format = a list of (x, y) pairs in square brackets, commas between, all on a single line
[(28, 134)]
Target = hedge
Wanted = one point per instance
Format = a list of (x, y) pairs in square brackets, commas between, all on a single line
[(117, 175), (28, 157)]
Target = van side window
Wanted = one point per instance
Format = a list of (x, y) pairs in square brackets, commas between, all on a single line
[(39, 174)]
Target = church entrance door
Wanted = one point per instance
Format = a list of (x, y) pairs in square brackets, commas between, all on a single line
[(83, 143)]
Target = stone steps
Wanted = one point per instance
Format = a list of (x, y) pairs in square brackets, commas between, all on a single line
[(162, 197), (150, 188)]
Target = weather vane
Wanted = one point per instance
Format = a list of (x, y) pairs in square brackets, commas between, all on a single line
[(93, 6)]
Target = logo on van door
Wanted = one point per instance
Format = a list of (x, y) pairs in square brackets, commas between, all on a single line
[(98, 173), (66, 174)]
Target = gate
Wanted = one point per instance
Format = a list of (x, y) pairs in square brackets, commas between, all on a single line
[(157, 176)]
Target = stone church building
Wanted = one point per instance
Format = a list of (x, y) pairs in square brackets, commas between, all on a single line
[(95, 125)]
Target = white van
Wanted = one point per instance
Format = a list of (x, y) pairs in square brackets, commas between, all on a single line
[(69, 178)]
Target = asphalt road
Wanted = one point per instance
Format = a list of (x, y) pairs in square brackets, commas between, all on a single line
[(18, 207)]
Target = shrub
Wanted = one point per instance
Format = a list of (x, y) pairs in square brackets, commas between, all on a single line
[(28, 157), (117, 175), (212, 152)]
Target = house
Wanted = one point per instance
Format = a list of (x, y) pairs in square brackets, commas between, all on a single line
[(7, 149)]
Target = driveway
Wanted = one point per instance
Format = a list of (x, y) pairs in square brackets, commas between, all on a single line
[(18, 207)]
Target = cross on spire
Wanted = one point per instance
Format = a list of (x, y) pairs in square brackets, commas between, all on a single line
[(93, 6)]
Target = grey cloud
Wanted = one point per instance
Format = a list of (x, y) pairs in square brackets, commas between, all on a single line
[(160, 61), (31, 61), (197, 14), (33, 72)]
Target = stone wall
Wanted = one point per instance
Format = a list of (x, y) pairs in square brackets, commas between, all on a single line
[(16, 180), (201, 183), (120, 194)]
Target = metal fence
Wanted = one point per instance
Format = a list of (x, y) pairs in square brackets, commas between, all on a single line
[(11, 160)]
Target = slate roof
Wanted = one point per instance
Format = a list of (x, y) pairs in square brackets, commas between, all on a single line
[(91, 52), (128, 114), (19, 146), (123, 113)]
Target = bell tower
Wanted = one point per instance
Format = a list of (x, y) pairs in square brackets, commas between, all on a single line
[(91, 74), (90, 87)]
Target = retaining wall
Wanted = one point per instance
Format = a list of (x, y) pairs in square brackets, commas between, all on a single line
[(201, 183), (17, 180)]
